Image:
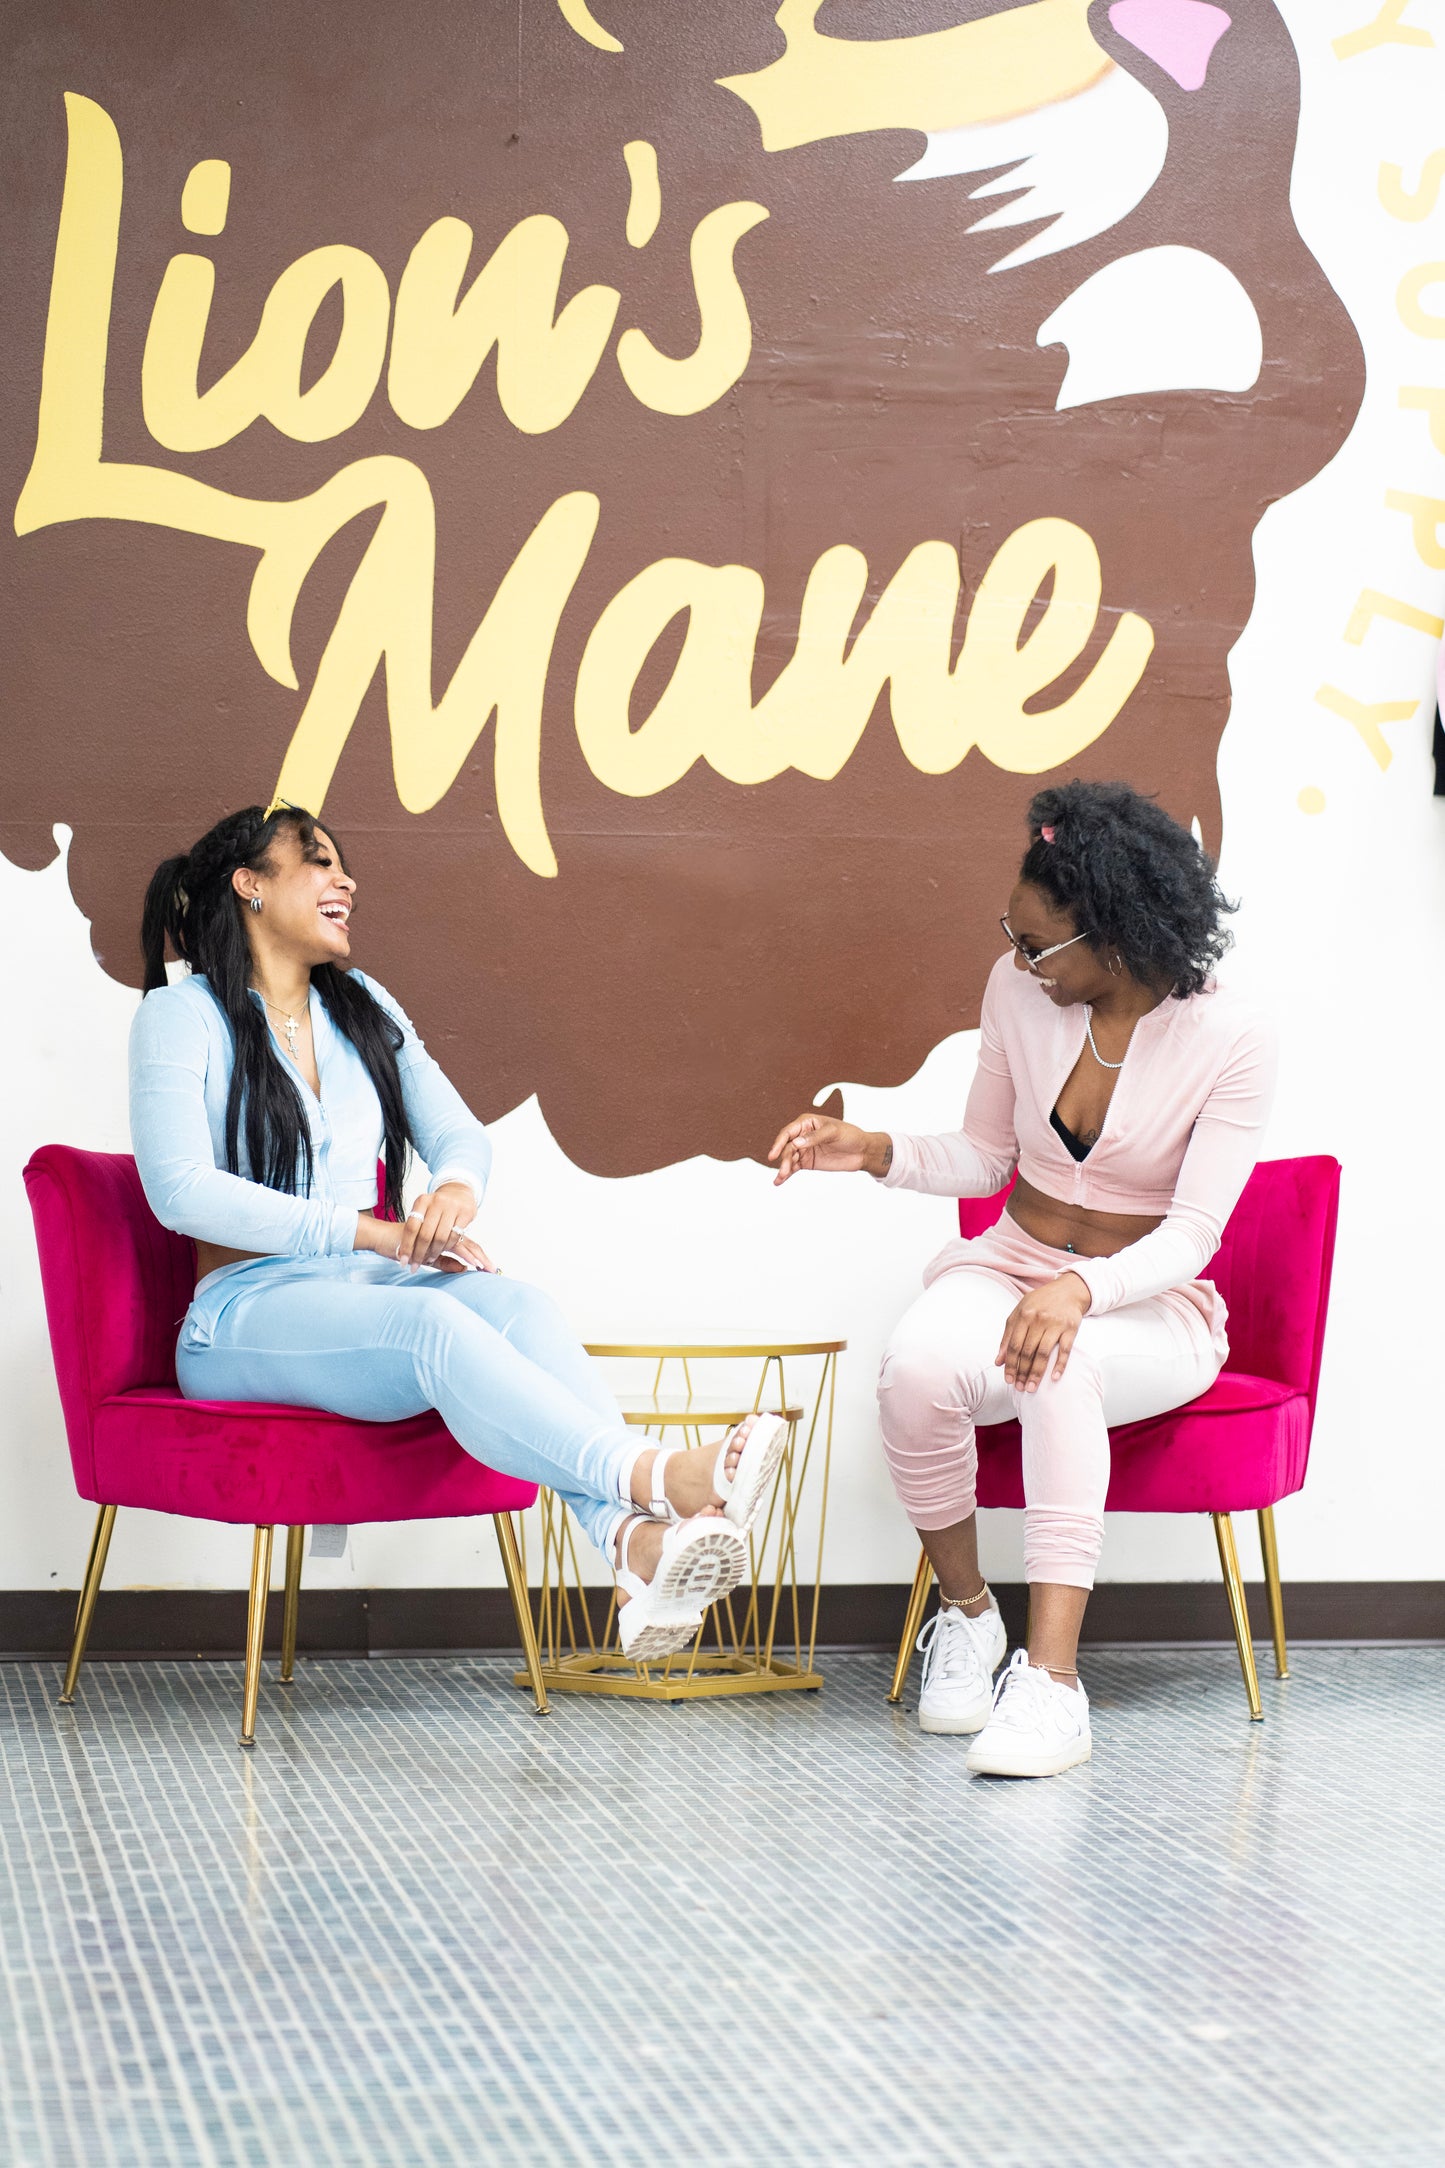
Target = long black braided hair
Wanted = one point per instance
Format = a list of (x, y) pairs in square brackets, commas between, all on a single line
[(1132, 879), (192, 904)]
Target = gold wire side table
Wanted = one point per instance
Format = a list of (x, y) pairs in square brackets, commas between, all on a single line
[(762, 1639)]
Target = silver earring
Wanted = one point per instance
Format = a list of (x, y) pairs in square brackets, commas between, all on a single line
[(255, 903)]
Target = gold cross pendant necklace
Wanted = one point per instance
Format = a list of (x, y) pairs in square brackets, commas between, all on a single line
[(290, 1024)]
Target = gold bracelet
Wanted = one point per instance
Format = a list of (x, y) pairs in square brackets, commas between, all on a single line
[(956, 1603)]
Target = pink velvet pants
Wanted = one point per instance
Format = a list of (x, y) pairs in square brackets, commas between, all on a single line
[(939, 1379)]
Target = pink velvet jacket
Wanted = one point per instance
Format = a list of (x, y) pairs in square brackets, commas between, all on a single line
[(1181, 1136)]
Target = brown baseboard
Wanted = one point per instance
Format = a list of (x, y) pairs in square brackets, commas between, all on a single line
[(37, 1623), (1144, 1613)]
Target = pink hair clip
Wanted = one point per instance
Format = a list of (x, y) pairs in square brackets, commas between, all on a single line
[(1047, 834)]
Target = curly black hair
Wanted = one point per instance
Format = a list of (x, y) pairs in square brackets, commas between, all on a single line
[(1132, 880)]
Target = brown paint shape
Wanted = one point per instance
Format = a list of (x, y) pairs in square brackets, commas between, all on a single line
[(707, 958)]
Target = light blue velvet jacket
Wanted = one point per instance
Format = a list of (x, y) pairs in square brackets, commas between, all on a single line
[(180, 1072)]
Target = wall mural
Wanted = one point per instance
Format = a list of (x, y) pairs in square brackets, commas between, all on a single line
[(664, 480)]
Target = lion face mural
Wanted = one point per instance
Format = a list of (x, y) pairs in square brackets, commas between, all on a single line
[(664, 487)]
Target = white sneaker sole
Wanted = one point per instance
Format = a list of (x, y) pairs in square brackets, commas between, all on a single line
[(1006, 1757), (971, 1719), (655, 1638), (757, 1465), (696, 1569), (959, 1723)]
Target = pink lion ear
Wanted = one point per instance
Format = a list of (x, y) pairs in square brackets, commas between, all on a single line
[(1047, 834), (1179, 35)]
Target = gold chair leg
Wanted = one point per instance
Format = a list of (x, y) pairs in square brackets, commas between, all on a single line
[(255, 1632), (89, 1590), (517, 1589), (912, 1622), (1270, 1549), (1238, 1610), (295, 1542)]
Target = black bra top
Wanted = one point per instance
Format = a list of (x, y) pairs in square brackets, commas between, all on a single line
[(1070, 1142)]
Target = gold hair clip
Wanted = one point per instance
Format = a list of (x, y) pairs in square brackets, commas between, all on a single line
[(276, 806)]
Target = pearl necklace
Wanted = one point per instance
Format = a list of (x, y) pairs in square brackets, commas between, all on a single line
[(1093, 1049)]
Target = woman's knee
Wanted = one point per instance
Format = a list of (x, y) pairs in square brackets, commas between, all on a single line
[(1081, 1386), (525, 1314), (505, 1305), (437, 1336), (924, 1413), (924, 1376)]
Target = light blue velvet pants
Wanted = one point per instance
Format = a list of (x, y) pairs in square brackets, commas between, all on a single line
[(364, 1337)]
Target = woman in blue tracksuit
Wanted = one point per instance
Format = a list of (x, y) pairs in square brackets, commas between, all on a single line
[(265, 1085)]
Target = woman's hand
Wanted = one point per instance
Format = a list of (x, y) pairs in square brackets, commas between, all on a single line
[(1044, 1324), (431, 1233), (464, 1255), (435, 1224), (821, 1144)]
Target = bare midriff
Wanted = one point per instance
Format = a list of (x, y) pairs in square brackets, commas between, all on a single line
[(1076, 1227), (210, 1256)]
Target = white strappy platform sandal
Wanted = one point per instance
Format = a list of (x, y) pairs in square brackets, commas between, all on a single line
[(702, 1558), (743, 1491)]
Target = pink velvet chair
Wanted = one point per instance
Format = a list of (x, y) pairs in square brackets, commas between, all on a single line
[(1244, 1444), (116, 1288)]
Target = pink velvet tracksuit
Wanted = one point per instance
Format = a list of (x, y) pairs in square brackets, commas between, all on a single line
[(1179, 1140)]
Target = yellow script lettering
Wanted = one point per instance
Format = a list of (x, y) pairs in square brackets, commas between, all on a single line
[(644, 200), (813, 715), (708, 686), (267, 378), (386, 619), (206, 197), (725, 341), (69, 479), (440, 344), (810, 719)]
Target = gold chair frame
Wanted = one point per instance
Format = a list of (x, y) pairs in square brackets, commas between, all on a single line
[(751, 1627), (256, 1611), (1233, 1587)]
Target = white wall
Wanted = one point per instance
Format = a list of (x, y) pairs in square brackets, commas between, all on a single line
[(1343, 926)]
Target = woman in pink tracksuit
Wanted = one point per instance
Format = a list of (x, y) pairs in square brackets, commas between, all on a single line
[(1127, 1090)]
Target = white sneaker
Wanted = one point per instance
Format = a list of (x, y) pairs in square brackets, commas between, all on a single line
[(960, 1656), (1038, 1728)]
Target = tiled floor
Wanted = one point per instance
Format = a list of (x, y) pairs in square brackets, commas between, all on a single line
[(421, 1925)]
